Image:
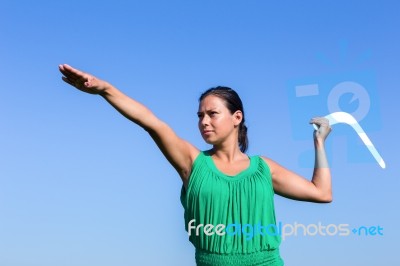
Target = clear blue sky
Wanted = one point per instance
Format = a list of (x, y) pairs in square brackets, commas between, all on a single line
[(81, 185)]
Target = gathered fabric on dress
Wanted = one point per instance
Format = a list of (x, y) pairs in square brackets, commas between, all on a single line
[(231, 219)]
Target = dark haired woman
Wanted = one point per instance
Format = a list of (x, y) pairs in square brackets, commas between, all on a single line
[(227, 195)]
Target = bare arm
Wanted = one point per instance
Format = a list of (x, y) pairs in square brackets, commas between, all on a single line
[(289, 184), (178, 152)]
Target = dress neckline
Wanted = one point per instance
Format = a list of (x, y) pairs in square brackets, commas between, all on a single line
[(240, 175)]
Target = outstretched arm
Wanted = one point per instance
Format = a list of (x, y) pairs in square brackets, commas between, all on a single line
[(288, 184), (179, 152)]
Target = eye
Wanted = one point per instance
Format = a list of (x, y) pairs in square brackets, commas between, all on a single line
[(213, 113)]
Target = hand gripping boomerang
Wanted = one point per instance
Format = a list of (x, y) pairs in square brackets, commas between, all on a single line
[(346, 118)]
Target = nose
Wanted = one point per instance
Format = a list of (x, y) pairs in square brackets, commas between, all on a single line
[(204, 121)]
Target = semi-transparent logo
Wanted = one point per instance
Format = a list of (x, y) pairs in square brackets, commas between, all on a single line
[(350, 95)]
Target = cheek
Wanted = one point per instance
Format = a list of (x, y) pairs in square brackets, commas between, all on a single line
[(223, 121)]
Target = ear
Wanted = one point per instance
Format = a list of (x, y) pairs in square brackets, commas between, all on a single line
[(237, 118)]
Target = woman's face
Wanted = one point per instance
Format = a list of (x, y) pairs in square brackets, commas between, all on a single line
[(216, 123)]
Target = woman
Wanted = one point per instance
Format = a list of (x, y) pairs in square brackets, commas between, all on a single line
[(227, 196)]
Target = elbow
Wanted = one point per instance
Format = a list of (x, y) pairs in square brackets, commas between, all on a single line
[(326, 198), (323, 197)]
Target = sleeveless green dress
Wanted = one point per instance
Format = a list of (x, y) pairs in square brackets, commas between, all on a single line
[(230, 220)]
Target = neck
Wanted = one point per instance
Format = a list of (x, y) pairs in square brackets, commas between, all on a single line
[(229, 153)]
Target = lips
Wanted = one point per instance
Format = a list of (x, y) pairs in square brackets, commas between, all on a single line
[(207, 131)]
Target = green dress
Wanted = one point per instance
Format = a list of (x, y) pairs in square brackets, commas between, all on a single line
[(230, 220)]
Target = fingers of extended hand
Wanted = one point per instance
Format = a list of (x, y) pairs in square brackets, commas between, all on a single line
[(72, 71), (75, 77), (67, 81), (320, 121), (72, 74)]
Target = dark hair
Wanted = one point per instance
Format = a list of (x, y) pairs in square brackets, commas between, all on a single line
[(233, 103)]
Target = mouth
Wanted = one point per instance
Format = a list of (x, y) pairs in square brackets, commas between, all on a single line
[(206, 132)]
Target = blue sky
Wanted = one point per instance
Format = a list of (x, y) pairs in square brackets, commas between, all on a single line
[(81, 185)]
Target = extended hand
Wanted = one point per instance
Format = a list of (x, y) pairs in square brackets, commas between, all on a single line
[(323, 128), (82, 81)]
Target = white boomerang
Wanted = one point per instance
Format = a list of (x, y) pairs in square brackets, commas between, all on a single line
[(346, 118)]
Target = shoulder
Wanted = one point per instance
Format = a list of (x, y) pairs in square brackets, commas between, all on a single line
[(267, 160), (197, 157), (273, 166)]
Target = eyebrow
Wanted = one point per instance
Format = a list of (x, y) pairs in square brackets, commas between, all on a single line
[(210, 110)]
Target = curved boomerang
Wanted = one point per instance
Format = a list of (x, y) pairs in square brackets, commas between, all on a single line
[(346, 118)]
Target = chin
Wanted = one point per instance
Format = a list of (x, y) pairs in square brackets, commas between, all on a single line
[(208, 141)]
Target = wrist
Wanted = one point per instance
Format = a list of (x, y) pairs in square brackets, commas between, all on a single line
[(107, 89), (319, 142)]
